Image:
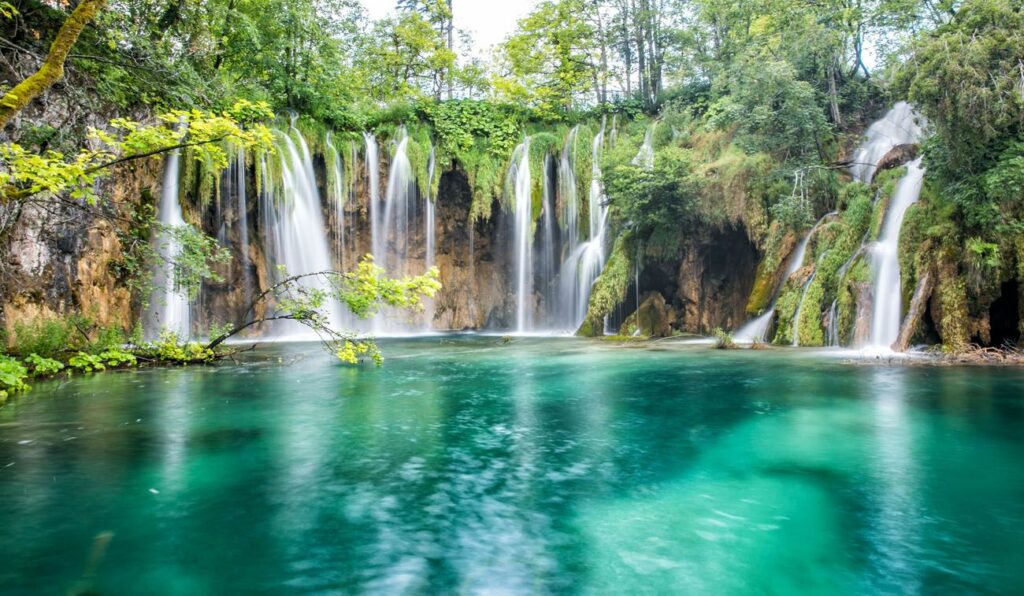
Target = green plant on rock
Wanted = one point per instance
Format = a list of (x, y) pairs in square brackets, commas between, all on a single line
[(43, 367), (12, 376), (610, 288), (86, 363), (118, 358)]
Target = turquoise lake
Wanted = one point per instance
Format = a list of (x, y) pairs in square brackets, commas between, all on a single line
[(469, 465)]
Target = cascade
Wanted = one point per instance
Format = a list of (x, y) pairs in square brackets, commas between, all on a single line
[(391, 245), (168, 303), (373, 186), (645, 156), (800, 305), (429, 203), (295, 233), (518, 180), (900, 126), (888, 304), (549, 255), (586, 259), (757, 329), (337, 190), (241, 205)]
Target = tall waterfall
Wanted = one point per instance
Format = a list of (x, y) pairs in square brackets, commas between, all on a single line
[(518, 181), (888, 305), (430, 233), (295, 231), (373, 186), (586, 258), (391, 244), (168, 303), (338, 195), (242, 221)]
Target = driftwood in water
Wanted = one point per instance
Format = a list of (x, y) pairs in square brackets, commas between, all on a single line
[(918, 304)]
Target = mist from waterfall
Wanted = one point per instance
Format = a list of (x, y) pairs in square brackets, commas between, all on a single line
[(168, 308)]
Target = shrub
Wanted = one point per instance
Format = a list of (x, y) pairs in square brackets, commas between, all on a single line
[(723, 341), (45, 336)]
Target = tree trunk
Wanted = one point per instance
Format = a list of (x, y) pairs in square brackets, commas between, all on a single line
[(52, 69)]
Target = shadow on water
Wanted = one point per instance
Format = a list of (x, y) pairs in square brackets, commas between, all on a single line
[(473, 463)]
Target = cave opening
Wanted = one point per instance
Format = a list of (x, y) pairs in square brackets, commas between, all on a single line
[(1004, 315)]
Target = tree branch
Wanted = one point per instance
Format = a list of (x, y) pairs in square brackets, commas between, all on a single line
[(52, 69)]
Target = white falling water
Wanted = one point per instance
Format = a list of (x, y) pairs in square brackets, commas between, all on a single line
[(645, 156), (888, 305), (241, 205), (757, 329), (899, 126), (373, 186), (518, 181), (391, 246), (168, 304), (586, 258), (429, 218), (338, 192), (296, 236)]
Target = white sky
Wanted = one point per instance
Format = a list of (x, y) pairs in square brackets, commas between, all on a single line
[(488, 20)]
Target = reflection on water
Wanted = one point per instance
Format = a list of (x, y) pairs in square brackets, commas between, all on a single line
[(466, 465)]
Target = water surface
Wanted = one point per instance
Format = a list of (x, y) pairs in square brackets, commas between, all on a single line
[(543, 465)]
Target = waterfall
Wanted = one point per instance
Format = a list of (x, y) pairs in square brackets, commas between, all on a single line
[(337, 191), (756, 330), (586, 258), (549, 257), (391, 246), (429, 204), (800, 305), (168, 307), (645, 156), (888, 305), (295, 233), (373, 186), (899, 126), (241, 205), (518, 181)]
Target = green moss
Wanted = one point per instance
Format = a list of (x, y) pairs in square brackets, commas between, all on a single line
[(610, 288), (785, 309), (768, 270)]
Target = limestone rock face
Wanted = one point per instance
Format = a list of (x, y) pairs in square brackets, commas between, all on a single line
[(715, 276), (654, 318), (61, 258)]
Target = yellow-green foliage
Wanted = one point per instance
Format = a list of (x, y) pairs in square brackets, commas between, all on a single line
[(610, 288), (859, 273), (737, 188)]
